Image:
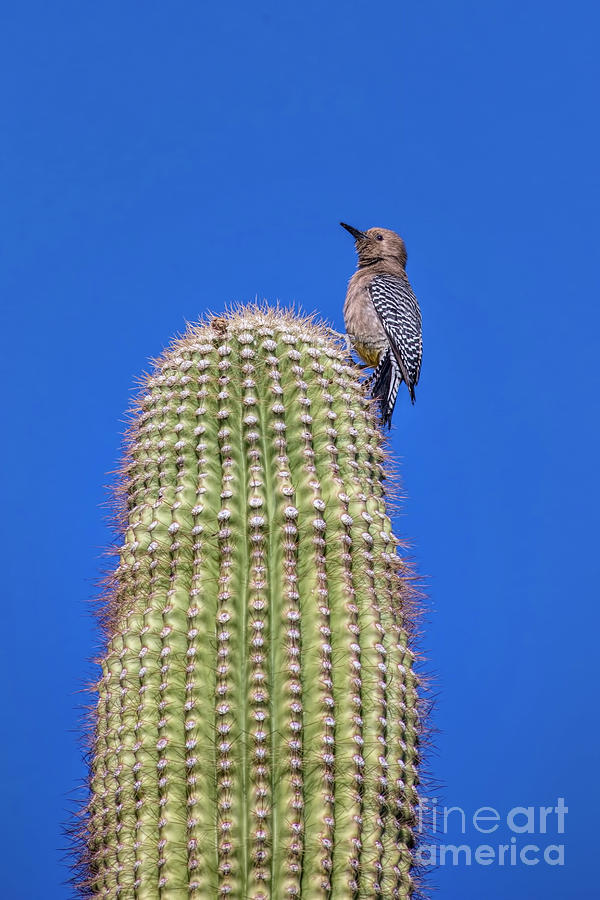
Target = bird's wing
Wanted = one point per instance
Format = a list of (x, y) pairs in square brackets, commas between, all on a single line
[(385, 383), (398, 310)]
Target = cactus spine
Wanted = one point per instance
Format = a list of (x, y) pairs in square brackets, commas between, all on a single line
[(256, 729)]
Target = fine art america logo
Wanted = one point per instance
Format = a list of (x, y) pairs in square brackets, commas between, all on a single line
[(523, 835)]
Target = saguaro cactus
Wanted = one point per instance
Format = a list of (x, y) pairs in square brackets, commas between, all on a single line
[(256, 728)]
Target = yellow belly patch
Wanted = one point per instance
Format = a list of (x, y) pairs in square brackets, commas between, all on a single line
[(369, 353)]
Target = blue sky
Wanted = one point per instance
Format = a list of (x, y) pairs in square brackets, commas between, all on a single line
[(161, 159)]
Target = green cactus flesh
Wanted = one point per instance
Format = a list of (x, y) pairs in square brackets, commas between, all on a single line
[(256, 727)]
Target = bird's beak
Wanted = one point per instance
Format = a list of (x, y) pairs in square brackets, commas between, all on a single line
[(356, 234)]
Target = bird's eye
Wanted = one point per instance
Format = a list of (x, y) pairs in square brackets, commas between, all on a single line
[(379, 237)]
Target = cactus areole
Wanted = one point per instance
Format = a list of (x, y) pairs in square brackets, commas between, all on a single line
[(256, 728)]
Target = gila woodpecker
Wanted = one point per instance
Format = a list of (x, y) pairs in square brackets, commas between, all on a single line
[(382, 316)]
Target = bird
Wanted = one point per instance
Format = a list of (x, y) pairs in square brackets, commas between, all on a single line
[(382, 316)]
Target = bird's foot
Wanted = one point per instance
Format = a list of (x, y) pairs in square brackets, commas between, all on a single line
[(348, 347)]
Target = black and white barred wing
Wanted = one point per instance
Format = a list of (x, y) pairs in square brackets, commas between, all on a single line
[(398, 310), (385, 384)]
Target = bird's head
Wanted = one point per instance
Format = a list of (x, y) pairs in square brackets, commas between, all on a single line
[(377, 245)]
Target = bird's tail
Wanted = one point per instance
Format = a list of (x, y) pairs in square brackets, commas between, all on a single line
[(385, 383)]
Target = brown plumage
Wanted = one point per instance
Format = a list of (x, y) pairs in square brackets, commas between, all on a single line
[(382, 316)]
